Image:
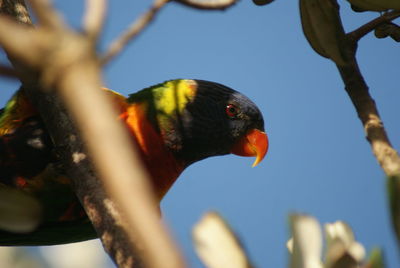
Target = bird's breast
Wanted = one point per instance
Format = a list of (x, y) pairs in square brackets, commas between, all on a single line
[(161, 164)]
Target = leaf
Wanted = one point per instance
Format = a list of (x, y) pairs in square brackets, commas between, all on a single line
[(393, 188), (375, 259), (342, 249), (216, 244), (19, 212), (307, 242)]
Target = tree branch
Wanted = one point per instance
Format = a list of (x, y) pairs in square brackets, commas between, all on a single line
[(368, 113), (363, 30), (71, 67), (383, 150), (133, 30)]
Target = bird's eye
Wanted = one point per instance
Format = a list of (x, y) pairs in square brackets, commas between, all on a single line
[(231, 110)]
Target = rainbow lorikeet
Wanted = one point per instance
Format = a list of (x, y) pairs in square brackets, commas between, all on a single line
[(175, 124)]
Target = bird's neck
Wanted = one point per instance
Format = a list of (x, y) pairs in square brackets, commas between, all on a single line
[(161, 164)]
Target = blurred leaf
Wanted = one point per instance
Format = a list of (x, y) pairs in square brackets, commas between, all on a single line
[(338, 230), (323, 29), (342, 249), (216, 244), (87, 254), (307, 242), (375, 259), (309, 31), (289, 245), (16, 257), (19, 212), (393, 188)]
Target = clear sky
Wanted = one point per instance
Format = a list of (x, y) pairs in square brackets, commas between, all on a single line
[(319, 161)]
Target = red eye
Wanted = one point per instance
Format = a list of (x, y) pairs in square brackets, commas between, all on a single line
[(231, 110)]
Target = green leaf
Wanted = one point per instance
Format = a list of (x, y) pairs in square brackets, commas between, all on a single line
[(376, 259), (393, 188)]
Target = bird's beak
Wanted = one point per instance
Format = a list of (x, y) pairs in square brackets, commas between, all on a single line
[(254, 143)]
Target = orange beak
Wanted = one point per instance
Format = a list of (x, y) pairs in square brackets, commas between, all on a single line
[(254, 143)]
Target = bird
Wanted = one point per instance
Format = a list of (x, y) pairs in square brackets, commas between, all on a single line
[(175, 124)]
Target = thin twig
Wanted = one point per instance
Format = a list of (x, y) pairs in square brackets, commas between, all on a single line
[(133, 30), (363, 30), (208, 4), (94, 16), (8, 71)]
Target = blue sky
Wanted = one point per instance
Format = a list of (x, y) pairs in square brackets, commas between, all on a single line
[(319, 161)]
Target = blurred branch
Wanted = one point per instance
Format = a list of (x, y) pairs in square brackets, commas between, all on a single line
[(217, 245), (94, 17), (133, 30), (45, 14), (15, 9), (208, 4), (363, 30), (65, 60), (145, 19)]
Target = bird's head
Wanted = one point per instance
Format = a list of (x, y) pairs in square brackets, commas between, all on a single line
[(198, 119)]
